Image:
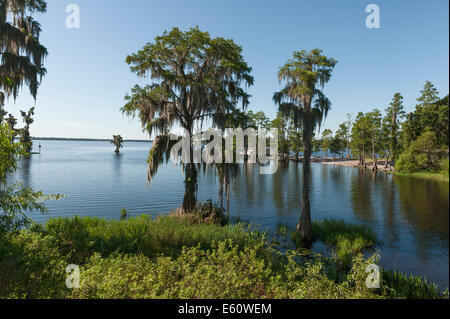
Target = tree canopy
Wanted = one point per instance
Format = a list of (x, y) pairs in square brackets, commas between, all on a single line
[(21, 52), (194, 78)]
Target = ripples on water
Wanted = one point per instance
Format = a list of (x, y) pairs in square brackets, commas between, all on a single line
[(409, 215)]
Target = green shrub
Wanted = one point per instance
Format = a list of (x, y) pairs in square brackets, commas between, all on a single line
[(406, 162), (312, 280), (423, 154), (204, 213), (73, 237), (31, 266), (445, 166), (224, 272)]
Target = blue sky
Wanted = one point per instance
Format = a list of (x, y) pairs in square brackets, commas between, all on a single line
[(87, 77)]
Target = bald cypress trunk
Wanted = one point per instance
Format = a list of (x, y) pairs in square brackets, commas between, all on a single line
[(304, 225), (190, 181), (228, 200), (363, 157), (375, 167), (388, 155), (348, 149)]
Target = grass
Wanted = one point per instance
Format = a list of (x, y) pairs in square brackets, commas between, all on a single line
[(79, 238), (182, 257), (345, 240), (426, 175), (398, 285), (332, 232)]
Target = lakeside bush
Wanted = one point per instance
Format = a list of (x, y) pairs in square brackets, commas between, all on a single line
[(445, 167), (203, 213), (31, 266), (424, 154), (223, 272), (175, 257)]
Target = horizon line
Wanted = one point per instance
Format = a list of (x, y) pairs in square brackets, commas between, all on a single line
[(87, 139)]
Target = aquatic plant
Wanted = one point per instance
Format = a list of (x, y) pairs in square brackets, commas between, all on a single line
[(398, 285), (123, 213), (345, 240)]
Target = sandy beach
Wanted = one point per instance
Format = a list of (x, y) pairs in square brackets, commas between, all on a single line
[(355, 163), (347, 162)]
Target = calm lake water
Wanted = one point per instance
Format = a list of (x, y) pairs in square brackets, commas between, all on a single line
[(409, 215)]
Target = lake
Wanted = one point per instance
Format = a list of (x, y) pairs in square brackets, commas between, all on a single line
[(409, 215)]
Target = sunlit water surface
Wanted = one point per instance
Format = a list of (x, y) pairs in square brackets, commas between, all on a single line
[(409, 215)]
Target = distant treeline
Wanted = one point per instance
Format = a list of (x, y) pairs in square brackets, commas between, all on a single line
[(83, 139)]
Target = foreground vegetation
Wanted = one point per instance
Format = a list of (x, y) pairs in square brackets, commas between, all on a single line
[(179, 257)]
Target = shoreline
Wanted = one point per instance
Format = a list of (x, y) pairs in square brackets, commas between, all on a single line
[(75, 139), (426, 175), (381, 168), (353, 163)]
